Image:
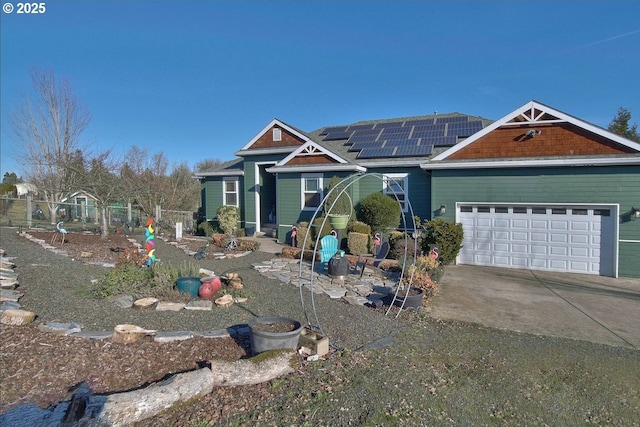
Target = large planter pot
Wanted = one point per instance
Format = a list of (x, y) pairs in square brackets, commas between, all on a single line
[(338, 222), (188, 285), (413, 301), (209, 287), (270, 333), (338, 267)]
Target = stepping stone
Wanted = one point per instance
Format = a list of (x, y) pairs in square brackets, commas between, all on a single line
[(199, 305), (16, 317), (172, 336), (60, 328), (10, 295), (220, 333), (97, 335), (169, 306)]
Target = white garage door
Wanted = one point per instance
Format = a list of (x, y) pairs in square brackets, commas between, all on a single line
[(577, 239)]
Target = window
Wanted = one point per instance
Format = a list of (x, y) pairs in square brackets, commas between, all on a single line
[(502, 209), (230, 191), (277, 134), (311, 191), (397, 186)]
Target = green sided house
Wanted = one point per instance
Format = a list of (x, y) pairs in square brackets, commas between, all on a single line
[(537, 189)]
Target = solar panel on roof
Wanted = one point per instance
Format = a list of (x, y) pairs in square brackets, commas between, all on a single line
[(333, 129), (464, 129), (419, 150), (428, 133), (362, 138), (401, 142), (442, 141), (360, 127), (366, 144), (453, 119), (388, 125), (334, 136), (395, 135), (419, 122), (368, 153)]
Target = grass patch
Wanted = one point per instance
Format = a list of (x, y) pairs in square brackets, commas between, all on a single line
[(450, 373)]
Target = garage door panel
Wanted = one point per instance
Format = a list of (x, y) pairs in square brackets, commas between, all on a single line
[(501, 223), (539, 250), (501, 247), (558, 250), (567, 238), (537, 224), (579, 252), (559, 225), (501, 260), (520, 223)]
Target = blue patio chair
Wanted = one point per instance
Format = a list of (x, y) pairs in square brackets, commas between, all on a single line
[(329, 247)]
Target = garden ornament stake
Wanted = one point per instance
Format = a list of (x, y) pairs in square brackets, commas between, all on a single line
[(150, 244)]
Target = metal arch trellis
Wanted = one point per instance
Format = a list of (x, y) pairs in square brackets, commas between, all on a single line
[(342, 187)]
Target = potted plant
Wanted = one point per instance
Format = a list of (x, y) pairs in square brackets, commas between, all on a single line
[(337, 204), (418, 283), (270, 333)]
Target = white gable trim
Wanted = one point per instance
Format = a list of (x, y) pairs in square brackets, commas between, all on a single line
[(527, 112), (268, 129), (311, 149)]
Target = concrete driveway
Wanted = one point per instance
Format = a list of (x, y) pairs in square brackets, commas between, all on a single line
[(583, 307)]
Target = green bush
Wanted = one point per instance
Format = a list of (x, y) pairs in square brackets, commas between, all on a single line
[(358, 243), (397, 242), (447, 235), (156, 281), (205, 228), (381, 212), (316, 228), (228, 217), (303, 227), (360, 227)]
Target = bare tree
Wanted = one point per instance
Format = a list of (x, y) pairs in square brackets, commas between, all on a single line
[(207, 165), (148, 182), (100, 178), (47, 128)]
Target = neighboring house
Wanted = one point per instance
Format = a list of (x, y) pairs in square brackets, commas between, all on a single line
[(79, 206), (24, 188), (537, 189)]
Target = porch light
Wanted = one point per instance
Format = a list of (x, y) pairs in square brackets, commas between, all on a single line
[(443, 209), (636, 212)]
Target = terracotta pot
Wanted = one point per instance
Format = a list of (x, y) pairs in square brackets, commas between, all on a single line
[(209, 287)]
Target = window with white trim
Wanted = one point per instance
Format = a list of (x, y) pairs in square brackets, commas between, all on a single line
[(396, 185), (230, 191), (277, 134), (311, 185)]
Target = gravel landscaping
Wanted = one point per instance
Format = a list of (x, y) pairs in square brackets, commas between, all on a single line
[(381, 370)]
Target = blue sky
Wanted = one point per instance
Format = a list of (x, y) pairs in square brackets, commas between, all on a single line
[(199, 79)]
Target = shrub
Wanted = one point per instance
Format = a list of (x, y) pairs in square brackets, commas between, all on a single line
[(397, 242), (447, 235), (205, 228), (316, 228), (303, 227), (228, 217), (381, 212), (358, 243), (360, 227)]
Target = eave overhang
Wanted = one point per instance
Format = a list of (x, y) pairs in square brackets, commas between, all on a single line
[(338, 167), (532, 163), (229, 172)]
